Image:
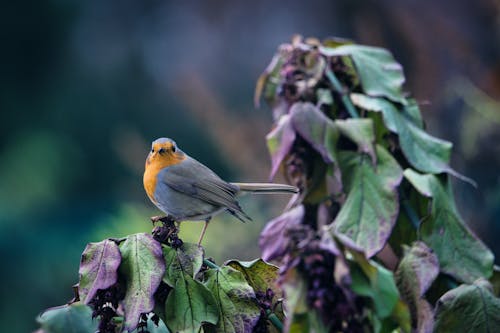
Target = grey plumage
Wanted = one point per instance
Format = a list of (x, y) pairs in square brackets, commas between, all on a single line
[(191, 191)]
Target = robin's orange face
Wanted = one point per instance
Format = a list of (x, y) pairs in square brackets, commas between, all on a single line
[(164, 154)]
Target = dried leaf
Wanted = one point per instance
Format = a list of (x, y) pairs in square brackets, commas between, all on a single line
[(279, 142), (416, 272)]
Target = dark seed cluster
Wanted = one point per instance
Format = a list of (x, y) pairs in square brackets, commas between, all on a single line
[(299, 164), (143, 323), (336, 306), (104, 305), (265, 303), (167, 233)]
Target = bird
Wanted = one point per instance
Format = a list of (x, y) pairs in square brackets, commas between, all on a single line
[(187, 190)]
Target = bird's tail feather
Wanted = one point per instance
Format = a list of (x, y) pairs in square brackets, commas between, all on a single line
[(266, 188)]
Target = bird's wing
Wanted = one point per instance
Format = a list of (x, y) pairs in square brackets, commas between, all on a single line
[(196, 180)]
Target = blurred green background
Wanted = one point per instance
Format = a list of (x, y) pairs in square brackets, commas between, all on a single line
[(86, 86)]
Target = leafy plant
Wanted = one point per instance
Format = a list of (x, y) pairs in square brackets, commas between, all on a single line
[(157, 283), (374, 239), (372, 243)]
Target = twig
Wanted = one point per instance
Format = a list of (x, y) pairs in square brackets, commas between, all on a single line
[(210, 264), (273, 318)]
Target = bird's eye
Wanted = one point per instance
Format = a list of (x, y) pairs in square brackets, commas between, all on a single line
[(173, 149), (152, 150)]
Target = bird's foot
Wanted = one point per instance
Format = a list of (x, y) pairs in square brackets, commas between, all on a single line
[(167, 232)]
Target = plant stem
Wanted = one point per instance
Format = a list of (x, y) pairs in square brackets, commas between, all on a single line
[(343, 94), (210, 264), (274, 320), (409, 211)]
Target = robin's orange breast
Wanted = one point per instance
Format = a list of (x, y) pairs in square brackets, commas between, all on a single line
[(155, 163)]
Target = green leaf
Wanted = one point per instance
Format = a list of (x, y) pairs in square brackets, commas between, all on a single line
[(299, 323), (468, 308), (461, 254), (425, 152), (98, 268), (189, 305), (416, 272), (422, 183), (371, 280), (413, 112), (371, 207), (235, 299), (295, 289), (360, 131), (185, 260), (401, 315), (259, 274), (380, 74), (142, 267), (74, 318), (307, 322)]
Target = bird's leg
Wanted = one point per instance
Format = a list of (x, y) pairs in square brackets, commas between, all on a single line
[(205, 226)]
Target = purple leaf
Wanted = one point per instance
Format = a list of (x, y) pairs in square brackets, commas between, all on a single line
[(279, 142), (415, 274), (420, 266), (143, 267), (316, 128), (273, 239), (98, 268)]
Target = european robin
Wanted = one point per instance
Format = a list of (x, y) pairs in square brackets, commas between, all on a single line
[(185, 189)]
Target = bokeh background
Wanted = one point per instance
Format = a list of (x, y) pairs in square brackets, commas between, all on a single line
[(85, 86)]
